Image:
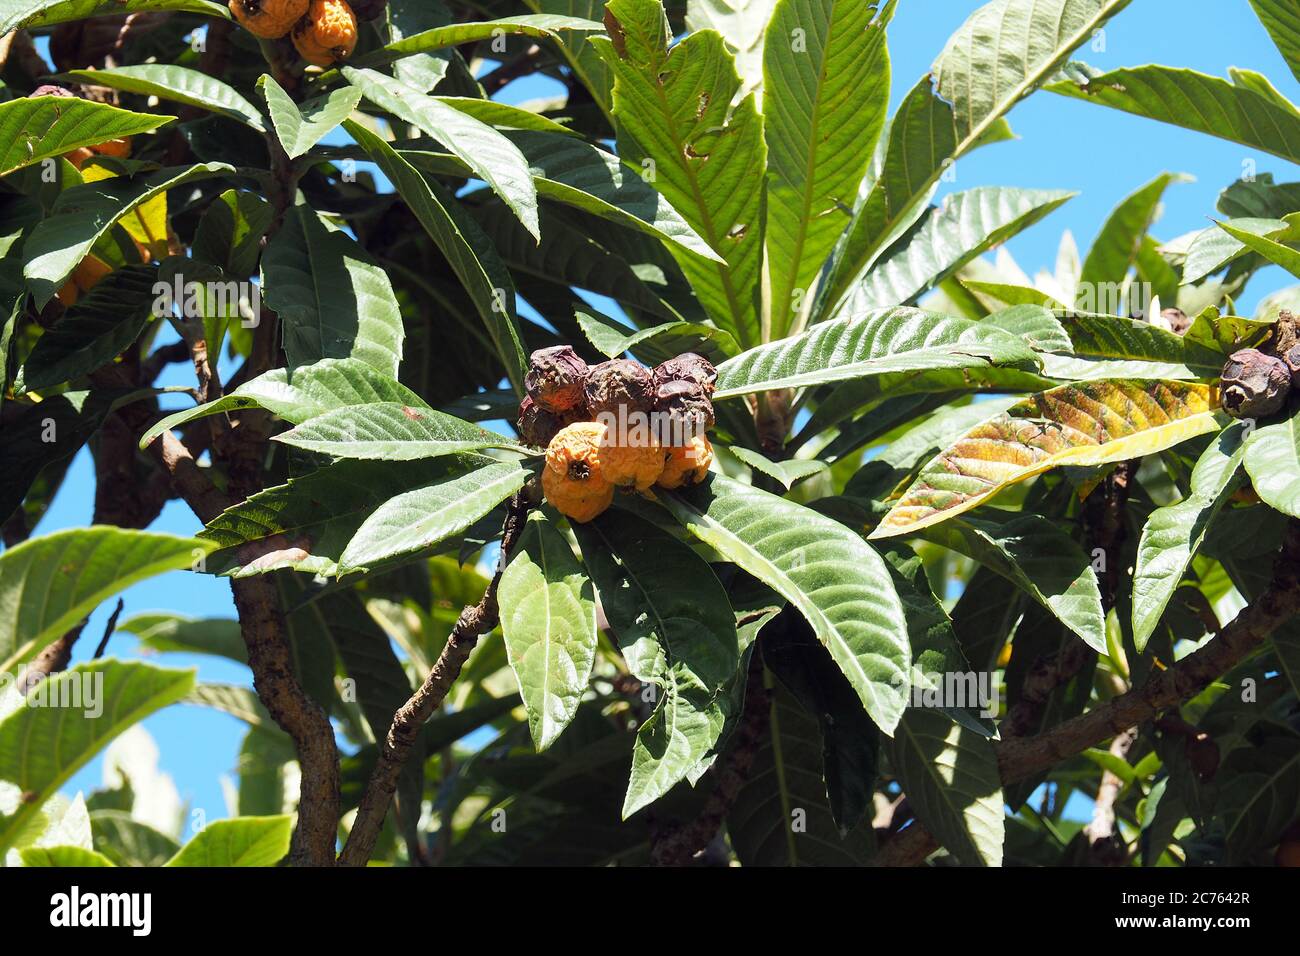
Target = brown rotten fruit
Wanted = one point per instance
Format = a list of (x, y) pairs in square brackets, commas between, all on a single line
[(687, 367), (619, 387), (687, 405), (555, 379), (1254, 384), (537, 426)]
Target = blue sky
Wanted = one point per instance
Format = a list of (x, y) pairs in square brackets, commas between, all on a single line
[(1063, 144)]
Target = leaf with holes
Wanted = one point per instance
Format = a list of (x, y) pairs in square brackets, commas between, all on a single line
[(674, 111)]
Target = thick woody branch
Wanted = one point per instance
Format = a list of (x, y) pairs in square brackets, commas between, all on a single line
[(474, 621)]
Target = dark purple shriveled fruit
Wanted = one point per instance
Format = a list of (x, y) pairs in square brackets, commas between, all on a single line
[(1254, 384), (556, 377), (619, 387), (687, 405), (1292, 360), (537, 426), (49, 89), (687, 367)]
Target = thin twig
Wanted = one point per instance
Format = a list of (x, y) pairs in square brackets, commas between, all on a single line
[(474, 620), (109, 628)]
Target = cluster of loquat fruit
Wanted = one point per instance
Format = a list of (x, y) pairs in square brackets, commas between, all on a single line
[(581, 413)]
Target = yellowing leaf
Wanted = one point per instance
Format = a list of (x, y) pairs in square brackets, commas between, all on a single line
[(1089, 423)]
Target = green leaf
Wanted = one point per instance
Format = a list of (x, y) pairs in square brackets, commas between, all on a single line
[(333, 300), (33, 129), (50, 583), (306, 523), (545, 26), (850, 741), (824, 107), (1174, 533), (548, 620), (508, 117), (963, 228), (65, 856), (1192, 100), (42, 747), (676, 118), (312, 390), (242, 841), (787, 778), (674, 624), (876, 343), (164, 633), (657, 343), (1259, 793), (1116, 247), (467, 249), (1214, 248), (391, 431), (578, 174), (127, 842), (1270, 249), (1091, 423), (1003, 52), (1281, 18), (41, 13), (419, 519), (834, 579), (83, 214), (585, 62), (70, 417), (743, 25), (300, 127), (1041, 559), (93, 332), (1272, 459), (176, 83), (239, 702), (491, 156), (787, 472), (937, 655), (1116, 338), (950, 776), (1036, 324), (230, 231)]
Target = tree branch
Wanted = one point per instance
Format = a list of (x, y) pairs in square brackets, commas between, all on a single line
[(1022, 757), (474, 621)]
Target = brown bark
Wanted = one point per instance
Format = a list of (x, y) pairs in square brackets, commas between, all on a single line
[(473, 622)]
